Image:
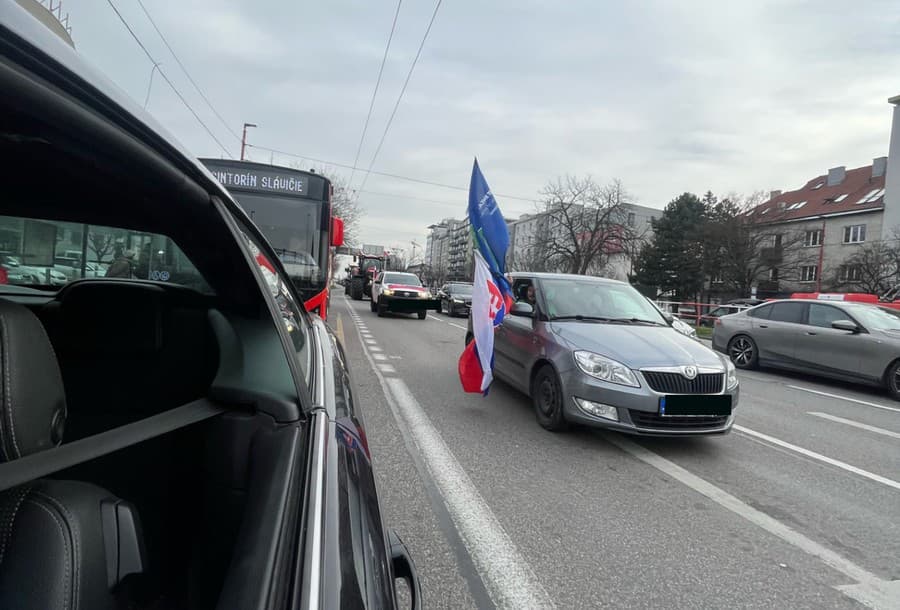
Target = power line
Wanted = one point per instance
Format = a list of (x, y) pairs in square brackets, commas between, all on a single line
[(186, 73), (166, 78), (384, 174), (375, 92), (400, 97)]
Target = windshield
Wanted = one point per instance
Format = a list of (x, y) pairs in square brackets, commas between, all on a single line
[(461, 289), (876, 318), (573, 299), (401, 278), (293, 227)]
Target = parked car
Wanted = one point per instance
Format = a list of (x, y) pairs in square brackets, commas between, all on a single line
[(16, 273), (401, 292), (456, 298), (597, 352), (855, 342), (219, 460)]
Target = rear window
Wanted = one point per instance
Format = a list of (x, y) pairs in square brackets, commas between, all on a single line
[(764, 311), (49, 254)]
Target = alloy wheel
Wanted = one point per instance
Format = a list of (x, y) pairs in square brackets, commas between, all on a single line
[(742, 351)]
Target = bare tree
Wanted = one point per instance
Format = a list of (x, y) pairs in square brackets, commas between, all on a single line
[(102, 244), (873, 268), (586, 222)]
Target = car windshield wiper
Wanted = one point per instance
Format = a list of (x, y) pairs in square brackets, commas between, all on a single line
[(636, 321), (580, 318)]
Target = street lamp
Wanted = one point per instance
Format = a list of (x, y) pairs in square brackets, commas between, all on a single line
[(244, 138)]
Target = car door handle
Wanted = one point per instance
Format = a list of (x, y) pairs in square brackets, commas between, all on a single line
[(764, 326), (809, 332)]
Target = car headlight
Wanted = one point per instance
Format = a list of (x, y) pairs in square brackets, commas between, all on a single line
[(458, 301), (605, 369), (731, 379), (425, 295), (387, 292)]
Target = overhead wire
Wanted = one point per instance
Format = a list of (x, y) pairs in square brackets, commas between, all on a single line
[(412, 67), (375, 92), (186, 73), (166, 78), (384, 174)]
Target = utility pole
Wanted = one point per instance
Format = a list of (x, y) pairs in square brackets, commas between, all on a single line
[(244, 139)]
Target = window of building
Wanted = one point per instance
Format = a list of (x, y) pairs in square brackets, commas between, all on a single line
[(766, 211), (871, 196), (776, 240), (796, 206), (854, 234), (850, 273), (717, 278), (819, 185), (839, 198), (809, 273), (773, 274), (813, 238), (630, 219)]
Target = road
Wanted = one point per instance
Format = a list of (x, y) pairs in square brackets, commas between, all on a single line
[(798, 508)]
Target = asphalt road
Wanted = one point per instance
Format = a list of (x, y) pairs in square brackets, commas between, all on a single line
[(798, 508)]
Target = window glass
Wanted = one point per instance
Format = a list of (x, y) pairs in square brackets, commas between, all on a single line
[(49, 254), (566, 298), (824, 315), (762, 312), (409, 279), (295, 325), (787, 312)]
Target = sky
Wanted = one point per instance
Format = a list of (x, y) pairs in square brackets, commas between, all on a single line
[(666, 96)]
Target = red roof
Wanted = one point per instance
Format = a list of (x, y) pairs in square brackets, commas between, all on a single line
[(857, 191)]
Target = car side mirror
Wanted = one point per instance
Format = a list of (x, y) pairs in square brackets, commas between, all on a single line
[(522, 309), (845, 325)]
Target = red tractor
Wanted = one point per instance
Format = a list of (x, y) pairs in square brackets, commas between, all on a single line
[(363, 274)]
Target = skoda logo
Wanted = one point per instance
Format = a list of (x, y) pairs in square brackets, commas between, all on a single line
[(689, 371)]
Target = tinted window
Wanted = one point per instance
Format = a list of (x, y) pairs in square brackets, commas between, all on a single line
[(761, 312), (462, 289), (824, 315), (788, 312)]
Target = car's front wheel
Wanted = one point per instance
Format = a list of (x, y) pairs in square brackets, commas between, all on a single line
[(743, 352), (892, 380), (547, 397), (381, 308), (373, 305), (422, 314)]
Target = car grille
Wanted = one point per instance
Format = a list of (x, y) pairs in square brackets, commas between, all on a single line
[(676, 383), (644, 419), (403, 293)]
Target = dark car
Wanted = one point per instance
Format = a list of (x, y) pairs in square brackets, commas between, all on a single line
[(188, 443), (855, 342), (456, 298)]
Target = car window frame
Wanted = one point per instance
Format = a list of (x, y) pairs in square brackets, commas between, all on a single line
[(804, 308), (303, 385), (754, 312), (844, 313)]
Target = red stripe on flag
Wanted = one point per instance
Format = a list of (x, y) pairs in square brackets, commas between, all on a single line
[(470, 373)]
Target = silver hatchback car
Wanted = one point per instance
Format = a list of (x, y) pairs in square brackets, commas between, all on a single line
[(597, 352)]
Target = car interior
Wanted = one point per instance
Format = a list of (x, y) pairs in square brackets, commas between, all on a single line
[(195, 513)]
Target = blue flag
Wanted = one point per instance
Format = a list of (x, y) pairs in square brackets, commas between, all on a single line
[(489, 231)]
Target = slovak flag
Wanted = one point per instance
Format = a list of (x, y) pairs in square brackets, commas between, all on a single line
[(491, 292)]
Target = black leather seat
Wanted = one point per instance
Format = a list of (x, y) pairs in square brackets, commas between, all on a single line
[(63, 544)]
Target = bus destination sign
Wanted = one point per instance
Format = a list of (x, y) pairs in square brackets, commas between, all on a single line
[(254, 179)]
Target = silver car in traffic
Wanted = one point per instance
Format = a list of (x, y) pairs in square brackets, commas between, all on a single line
[(855, 342), (595, 351)]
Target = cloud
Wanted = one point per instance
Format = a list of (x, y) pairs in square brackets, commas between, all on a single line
[(667, 96)]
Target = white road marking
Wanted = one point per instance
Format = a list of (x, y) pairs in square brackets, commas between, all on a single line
[(386, 368), (507, 576), (374, 348), (370, 341), (457, 326), (855, 424), (818, 456), (848, 399), (431, 317), (871, 590), (379, 356)]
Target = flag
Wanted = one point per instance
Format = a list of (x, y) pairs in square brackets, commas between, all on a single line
[(491, 298)]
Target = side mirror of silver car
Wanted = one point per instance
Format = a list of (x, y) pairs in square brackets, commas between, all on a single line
[(845, 325)]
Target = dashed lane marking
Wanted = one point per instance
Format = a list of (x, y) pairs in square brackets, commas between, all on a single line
[(818, 456), (457, 326), (871, 591), (855, 424), (436, 319), (846, 398)]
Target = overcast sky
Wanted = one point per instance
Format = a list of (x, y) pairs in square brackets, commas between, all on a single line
[(668, 96)]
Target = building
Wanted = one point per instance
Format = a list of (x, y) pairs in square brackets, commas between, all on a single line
[(808, 235)]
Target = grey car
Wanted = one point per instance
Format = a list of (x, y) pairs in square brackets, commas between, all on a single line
[(594, 351), (854, 342)]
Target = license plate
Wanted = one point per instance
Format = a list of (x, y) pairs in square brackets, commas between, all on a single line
[(686, 405)]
